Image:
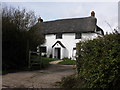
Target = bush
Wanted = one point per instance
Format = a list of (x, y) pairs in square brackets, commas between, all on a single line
[(69, 82), (41, 62), (72, 81), (98, 62)]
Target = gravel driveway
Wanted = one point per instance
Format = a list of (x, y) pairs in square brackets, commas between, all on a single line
[(37, 79)]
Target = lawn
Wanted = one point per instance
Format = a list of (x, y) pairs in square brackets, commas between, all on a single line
[(49, 59), (67, 61)]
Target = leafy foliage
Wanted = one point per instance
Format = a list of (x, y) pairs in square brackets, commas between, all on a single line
[(41, 62), (35, 38), (72, 81), (98, 62), (15, 37)]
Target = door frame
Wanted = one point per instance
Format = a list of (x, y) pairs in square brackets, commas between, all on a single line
[(57, 52)]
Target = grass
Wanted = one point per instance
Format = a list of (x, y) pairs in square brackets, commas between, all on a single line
[(49, 59), (67, 61)]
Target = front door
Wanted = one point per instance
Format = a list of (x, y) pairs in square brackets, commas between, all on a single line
[(57, 53)]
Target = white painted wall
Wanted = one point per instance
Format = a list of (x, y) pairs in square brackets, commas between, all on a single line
[(68, 40)]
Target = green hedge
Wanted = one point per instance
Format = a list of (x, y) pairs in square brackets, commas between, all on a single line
[(98, 62), (42, 62)]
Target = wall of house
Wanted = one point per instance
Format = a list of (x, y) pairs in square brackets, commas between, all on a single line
[(68, 40)]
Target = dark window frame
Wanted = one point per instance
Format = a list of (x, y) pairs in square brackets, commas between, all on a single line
[(78, 35), (59, 36), (74, 48), (43, 49)]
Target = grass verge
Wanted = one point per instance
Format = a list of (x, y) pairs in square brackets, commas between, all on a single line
[(67, 62), (49, 59)]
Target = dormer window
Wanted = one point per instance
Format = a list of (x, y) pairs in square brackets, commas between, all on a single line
[(59, 36), (78, 35)]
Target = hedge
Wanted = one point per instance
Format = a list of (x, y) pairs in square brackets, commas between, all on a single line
[(98, 62)]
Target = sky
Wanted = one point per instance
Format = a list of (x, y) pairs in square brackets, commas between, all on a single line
[(105, 12)]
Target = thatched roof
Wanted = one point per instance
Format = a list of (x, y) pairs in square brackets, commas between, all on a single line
[(73, 25)]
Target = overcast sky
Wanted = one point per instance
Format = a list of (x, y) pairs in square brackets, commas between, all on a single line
[(105, 12)]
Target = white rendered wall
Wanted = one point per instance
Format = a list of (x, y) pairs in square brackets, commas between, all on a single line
[(68, 40), (89, 36)]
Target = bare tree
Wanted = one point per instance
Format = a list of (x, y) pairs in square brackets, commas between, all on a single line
[(109, 25), (16, 24), (20, 17)]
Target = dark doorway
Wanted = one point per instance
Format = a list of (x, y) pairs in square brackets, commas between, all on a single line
[(57, 53)]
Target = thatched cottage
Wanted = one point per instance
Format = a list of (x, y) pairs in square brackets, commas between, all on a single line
[(62, 35)]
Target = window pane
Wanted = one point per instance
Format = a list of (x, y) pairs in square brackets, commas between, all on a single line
[(78, 35), (43, 49), (58, 36), (74, 48)]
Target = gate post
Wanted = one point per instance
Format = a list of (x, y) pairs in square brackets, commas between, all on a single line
[(29, 62)]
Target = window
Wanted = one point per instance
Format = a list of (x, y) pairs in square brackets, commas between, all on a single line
[(74, 48), (43, 49), (78, 35), (59, 36)]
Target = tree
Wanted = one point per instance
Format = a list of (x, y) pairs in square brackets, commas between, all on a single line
[(37, 40), (16, 23), (20, 17)]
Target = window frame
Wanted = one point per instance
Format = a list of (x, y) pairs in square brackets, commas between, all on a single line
[(59, 36), (78, 35), (43, 49)]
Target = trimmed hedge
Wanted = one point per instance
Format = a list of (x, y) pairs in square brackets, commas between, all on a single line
[(98, 62)]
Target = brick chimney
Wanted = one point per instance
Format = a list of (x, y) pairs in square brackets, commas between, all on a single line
[(92, 13), (40, 20)]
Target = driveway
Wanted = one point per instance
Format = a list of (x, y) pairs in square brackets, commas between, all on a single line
[(46, 78)]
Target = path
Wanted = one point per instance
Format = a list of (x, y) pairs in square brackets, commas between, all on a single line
[(38, 79)]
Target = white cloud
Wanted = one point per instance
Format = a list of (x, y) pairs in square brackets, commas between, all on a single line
[(51, 11)]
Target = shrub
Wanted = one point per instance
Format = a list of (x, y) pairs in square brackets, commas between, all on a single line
[(69, 81), (42, 62), (72, 81), (98, 62)]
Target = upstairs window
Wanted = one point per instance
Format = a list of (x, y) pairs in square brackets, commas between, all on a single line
[(59, 36), (78, 35)]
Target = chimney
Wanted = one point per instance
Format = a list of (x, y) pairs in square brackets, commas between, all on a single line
[(92, 13), (40, 20)]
